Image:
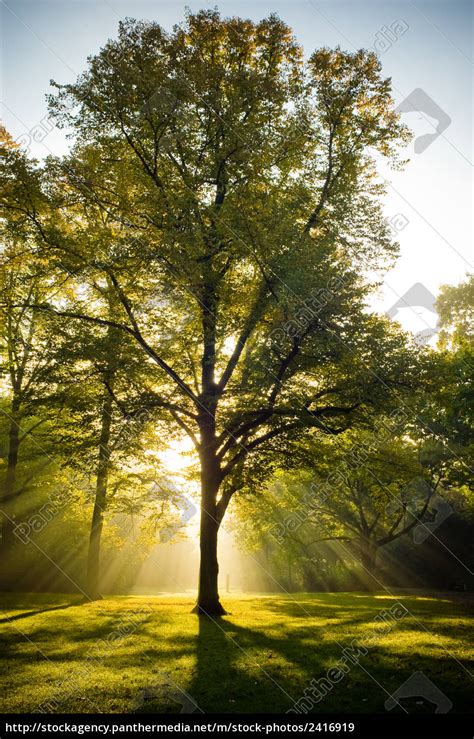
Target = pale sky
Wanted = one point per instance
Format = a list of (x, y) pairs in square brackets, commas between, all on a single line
[(423, 45)]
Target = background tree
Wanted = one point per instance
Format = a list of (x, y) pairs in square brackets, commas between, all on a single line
[(97, 373), (59, 403), (365, 490), (444, 414), (26, 345), (455, 306)]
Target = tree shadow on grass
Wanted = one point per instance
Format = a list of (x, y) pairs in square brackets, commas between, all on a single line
[(243, 670), (29, 614), (261, 659)]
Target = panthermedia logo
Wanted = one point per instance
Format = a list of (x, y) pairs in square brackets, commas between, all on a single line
[(421, 688), (418, 101), (421, 304)]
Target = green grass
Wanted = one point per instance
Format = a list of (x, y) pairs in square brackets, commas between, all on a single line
[(132, 654)]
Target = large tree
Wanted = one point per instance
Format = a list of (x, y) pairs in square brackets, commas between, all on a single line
[(237, 215)]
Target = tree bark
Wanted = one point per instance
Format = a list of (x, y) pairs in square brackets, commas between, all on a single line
[(93, 558), (208, 602)]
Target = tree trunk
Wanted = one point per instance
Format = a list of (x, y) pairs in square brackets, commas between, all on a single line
[(93, 559), (208, 602), (8, 498)]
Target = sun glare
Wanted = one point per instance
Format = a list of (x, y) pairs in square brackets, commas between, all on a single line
[(178, 456)]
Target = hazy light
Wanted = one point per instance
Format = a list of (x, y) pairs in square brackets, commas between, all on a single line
[(178, 456)]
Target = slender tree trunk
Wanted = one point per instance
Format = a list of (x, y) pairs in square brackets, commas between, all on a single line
[(93, 559), (8, 499)]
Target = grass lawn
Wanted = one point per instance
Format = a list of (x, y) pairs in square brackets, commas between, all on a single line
[(147, 654)]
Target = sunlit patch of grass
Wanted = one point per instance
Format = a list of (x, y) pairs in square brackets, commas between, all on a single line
[(134, 654)]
